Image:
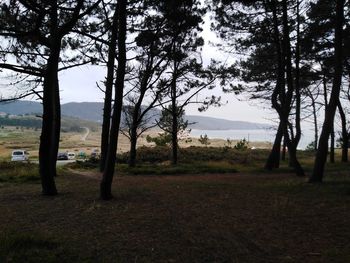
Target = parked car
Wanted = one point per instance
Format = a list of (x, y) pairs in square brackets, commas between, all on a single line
[(62, 156), (81, 155), (95, 155), (19, 155), (71, 155)]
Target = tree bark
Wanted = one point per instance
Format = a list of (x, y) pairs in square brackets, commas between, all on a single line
[(345, 134), (321, 155), (292, 143), (107, 106), (284, 150), (133, 144), (273, 161), (331, 150), (107, 177), (51, 123)]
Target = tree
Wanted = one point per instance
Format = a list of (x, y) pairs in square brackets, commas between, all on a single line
[(107, 105), (37, 32), (107, 177), (186, 77), (203, 139), (166, 123), (268, 68), (321, 155), (152, 47)]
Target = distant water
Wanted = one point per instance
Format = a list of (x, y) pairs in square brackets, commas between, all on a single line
[(260, 135)]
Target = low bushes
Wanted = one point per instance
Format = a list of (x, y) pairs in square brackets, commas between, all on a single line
[(19, 172)]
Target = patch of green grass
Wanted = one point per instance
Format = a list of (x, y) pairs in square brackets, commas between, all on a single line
[(32, 248), (18, 172)]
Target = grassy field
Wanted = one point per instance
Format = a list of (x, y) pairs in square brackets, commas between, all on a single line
[(12, 138), (217, 205), (233, 217)]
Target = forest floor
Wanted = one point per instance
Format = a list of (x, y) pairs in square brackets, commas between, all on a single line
[(181, 218)]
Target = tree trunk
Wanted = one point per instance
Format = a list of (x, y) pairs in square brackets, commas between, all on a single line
[(51, 123), (174, 114), (331, 151), (284, 151), (107, 106), (345, 135), (321, 155), (273, 161), (133, 143), (292, 142), (107, 177), (314, 112)]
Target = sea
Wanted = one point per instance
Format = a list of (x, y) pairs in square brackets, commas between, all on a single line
[(257, 135)]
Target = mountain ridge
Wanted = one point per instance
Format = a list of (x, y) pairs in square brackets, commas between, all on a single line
[(92, 111)]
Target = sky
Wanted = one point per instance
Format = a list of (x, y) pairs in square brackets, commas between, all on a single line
[(79, 85)]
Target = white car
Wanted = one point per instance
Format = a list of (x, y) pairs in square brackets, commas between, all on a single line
[(19, 155), (71, 156)]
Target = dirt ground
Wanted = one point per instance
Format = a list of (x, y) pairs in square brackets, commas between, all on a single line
[(202, 218)]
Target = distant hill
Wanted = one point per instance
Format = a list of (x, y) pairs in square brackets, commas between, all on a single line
[(209, 123), (92, 111), (21, 107)]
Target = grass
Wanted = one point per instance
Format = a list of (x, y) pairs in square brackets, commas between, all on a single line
[(19, 172), (193, 218), (31, 248)]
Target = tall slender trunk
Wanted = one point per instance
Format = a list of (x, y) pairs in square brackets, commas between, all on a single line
[(107, 177), (331, 150), (284, 150), (51, 124), (292, 142), (133, 144), (174, 131), (137, 117), (107, 106), (314, 113), (297, 84), (345, 134), (273, 161), (321, 155), (174, 115)]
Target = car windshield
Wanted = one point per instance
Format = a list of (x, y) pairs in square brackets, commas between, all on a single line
[(17, 153)]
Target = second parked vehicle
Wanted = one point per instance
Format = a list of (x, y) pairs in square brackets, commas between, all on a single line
[(19, 155), (62, 156)]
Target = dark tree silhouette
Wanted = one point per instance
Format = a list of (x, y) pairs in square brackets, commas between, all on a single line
[(107, 178), (40, 31), (321, 155)]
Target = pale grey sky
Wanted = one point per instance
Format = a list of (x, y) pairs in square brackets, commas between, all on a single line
[(79, 84)]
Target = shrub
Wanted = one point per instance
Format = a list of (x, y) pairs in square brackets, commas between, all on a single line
[(18, 172), (204, 140), (162, 140), (242, 145)]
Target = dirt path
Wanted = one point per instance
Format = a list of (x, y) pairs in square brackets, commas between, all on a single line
[(86, 134), (89, 174)]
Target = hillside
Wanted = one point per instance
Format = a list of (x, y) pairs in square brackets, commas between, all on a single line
[(92, 111)]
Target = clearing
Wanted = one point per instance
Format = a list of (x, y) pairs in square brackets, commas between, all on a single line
[(184, 218)]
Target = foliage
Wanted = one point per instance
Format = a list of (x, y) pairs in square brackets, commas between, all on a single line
[(204, 140), (163, 139), (311, 146), (241, 145), (166, 120), (21, 122)]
